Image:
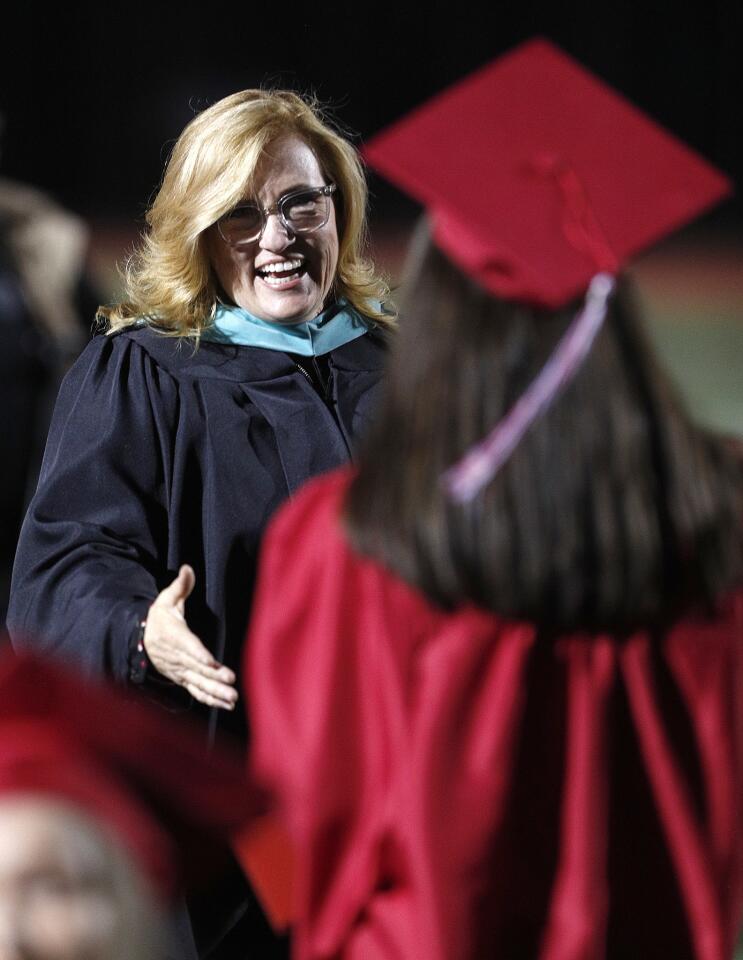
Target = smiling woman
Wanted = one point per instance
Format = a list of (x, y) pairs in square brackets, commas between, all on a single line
[(226, 187), (244, 360)]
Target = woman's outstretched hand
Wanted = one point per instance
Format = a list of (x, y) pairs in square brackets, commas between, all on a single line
[(178, 654)]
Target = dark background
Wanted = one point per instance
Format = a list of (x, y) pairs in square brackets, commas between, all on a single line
[(93, 95)]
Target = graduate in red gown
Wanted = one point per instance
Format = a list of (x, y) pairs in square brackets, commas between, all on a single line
[(495, 674)]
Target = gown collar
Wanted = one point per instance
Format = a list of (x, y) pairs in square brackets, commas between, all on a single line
[(337, 325)]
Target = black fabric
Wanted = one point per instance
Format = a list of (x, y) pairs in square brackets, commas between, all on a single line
[(229, 923), (161, 454)]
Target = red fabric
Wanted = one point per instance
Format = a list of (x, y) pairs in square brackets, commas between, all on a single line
[(457, 787), (37, 760), (266, 854), (146, 777)]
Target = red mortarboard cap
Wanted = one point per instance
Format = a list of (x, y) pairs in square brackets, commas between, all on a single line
[(143, 776), (536, 175)]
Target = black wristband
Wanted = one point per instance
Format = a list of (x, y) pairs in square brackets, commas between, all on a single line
[(139, 662)]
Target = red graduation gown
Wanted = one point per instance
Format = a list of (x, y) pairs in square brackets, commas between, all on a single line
[(456, 786)]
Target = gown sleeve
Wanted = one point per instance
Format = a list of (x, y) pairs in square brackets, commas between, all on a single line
[(87, 566), (317, 685)]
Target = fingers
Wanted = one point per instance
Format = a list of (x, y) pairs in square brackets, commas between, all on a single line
[(198, 694), (173, 648), (178, 591), (179, 654), (211, 692), (177, 643)]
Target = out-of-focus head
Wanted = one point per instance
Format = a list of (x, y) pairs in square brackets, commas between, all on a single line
[(68, 889), (254, 147), (104, 805)]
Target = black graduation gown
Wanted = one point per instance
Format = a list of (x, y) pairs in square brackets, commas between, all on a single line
[(161, 454)]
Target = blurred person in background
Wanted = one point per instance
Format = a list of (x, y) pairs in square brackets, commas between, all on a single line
[(244, 361), (107, 811), (47, 303), (500, 705)]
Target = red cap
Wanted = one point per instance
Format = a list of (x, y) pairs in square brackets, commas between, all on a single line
[(144, 777), (536, 175)]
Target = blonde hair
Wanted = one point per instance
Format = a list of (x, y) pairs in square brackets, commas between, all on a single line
[(168, 279)]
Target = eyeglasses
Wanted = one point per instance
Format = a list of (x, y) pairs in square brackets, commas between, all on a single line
[(303, 211)]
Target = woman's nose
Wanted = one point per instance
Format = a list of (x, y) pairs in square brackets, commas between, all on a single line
[(276, 235)]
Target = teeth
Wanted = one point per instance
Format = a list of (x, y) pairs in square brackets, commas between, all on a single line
[(281, 267), (278, 281)]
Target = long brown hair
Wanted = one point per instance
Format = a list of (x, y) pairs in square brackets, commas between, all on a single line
[(615, 509)]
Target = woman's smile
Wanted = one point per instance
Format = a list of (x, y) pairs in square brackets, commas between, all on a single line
[(280, 273)]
